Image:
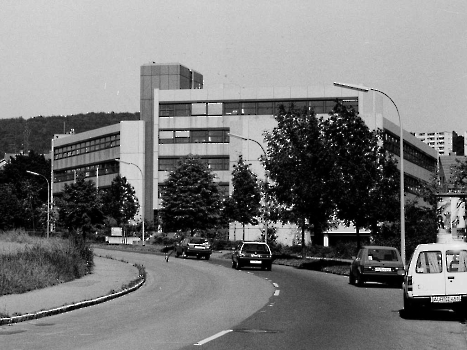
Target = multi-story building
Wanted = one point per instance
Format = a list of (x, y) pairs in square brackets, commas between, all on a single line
[(179, 117), (442, 141)]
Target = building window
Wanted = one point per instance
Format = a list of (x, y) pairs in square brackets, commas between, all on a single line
[(93, 170), (232, 108), (214, 108), (198, 109), (248, 108), (194, 136), (78, 148), (218, 163)]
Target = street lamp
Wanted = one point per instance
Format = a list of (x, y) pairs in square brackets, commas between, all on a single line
[(265, 179), (142, 194), (48, 199), (401, 156)]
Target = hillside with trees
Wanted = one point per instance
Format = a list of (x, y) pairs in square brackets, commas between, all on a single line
[(19, 135)]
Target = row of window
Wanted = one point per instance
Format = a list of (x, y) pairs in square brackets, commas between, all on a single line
[(247, 108), (223, 189), (194, 136), (214, 163), (87, 146), (89, 171), (411, 153)]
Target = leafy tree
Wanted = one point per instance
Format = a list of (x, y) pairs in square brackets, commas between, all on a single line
[(298, 164), (80, 207), (420, 227), (10, 208), (191, 199), (364, 178), (30, 191), (119, 201), (244, 203), (458, 178)]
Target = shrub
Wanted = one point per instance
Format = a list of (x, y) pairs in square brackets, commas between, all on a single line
[(43, 263)]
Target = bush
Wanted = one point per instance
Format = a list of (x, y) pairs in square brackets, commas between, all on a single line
[(43, 263)]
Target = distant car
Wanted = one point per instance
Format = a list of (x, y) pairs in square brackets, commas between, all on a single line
[(194, 246), (377, 264), (251, 254), (436, 277)]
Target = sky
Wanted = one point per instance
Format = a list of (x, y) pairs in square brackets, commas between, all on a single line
[(61, 57)]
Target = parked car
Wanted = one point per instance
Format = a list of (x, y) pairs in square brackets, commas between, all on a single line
[(377, 264), (251, 254), (436, 277), (194, 246)]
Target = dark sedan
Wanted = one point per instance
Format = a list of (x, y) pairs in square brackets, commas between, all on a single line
[(377, 264), (253, 254)]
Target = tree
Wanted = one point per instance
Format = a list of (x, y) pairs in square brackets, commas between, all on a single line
[(30, 191), (119, 201), (298, 165), (80, 207), (458, 178), (364, 178), (10, 208), (244, 203), (190, 199)]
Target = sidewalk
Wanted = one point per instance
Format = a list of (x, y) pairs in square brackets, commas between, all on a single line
[(103, 284)]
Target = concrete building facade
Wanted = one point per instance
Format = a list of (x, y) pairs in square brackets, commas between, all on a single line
[(179, 117)]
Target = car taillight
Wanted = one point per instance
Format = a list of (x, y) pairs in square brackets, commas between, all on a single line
[(409, 283)]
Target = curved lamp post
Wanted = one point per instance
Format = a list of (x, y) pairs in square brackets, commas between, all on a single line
[(142, 195), (48, 199), (401, 156), (265, 179)]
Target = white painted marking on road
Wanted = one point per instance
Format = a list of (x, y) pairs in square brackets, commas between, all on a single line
[(215, 336), (275, 285), (276, 292)]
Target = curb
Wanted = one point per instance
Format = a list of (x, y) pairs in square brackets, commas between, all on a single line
[(27, 317)]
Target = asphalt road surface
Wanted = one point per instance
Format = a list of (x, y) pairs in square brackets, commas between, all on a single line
[(198, 304)]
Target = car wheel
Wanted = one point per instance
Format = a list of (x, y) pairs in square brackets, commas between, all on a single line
[(351, 278), (269, 267), (233, 264), (359, 280), (177, 254), (409, 308), (237, 265)]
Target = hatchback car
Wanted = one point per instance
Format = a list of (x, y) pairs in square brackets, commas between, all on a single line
[(194, 246), (253, 254), (377, 264), (436, 277)]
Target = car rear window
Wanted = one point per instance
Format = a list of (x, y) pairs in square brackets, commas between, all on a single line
[(456, 260), (255, 248), (429, 262), (382, 255), (198, 240)]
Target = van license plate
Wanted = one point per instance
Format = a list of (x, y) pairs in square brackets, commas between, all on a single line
[(446, 299)]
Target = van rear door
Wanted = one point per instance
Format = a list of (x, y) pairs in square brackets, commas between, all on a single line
[(429, 276), (456, 272)]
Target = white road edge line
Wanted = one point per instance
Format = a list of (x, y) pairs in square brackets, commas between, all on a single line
[(220, 334)]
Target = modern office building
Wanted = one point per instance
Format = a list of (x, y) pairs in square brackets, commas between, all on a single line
[(442, 141), (179, 117)]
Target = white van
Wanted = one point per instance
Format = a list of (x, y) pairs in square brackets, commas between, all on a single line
[(436, 277)]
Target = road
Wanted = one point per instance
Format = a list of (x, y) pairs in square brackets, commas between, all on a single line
[(193, 304)]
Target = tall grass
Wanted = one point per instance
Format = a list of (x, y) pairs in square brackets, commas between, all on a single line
[(29, 263)]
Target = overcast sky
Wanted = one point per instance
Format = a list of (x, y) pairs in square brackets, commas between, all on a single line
[(67, 57)]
